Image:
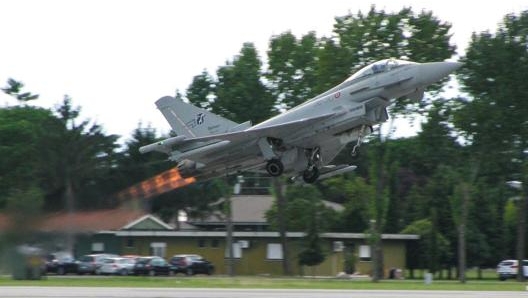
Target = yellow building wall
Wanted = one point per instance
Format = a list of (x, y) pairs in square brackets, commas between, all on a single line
[(254, 262)]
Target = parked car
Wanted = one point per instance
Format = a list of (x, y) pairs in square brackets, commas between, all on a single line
[(191, 264), (90, 264), (121, 266), (509, 269), (152, 266), (61, 263)]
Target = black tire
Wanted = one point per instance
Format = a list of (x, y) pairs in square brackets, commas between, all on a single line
[(274, 167), (311, 175), (61, 271), (123, 272), (189, 272)]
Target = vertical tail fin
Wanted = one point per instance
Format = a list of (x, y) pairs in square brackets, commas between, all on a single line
[(191, 121)]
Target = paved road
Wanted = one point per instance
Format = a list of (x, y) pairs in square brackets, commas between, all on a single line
[(80, 292)]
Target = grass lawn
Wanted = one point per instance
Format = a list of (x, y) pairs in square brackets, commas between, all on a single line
[(263, 282)]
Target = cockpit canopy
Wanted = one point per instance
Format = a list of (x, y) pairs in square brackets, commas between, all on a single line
[(377, 67)]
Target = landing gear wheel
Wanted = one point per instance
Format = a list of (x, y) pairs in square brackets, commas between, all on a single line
[(310, 175), (274, 167)]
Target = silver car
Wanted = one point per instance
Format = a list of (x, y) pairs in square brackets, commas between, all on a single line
[(509, 269), (121, 266), (90, 264)]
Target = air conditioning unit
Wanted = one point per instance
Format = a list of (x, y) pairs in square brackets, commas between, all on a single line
[(338, 246), (243, 243)]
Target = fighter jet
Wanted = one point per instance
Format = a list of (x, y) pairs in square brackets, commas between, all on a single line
[(301, 142)]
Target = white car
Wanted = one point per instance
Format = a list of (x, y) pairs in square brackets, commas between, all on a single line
[(508, 269), (121, 266)]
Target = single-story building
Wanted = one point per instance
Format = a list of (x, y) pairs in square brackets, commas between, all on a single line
[(256, 249)]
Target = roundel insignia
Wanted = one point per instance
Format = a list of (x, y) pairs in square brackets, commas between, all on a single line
[(337, 95)]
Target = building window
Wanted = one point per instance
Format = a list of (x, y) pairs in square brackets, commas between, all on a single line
[(130, 242), (215, 243), (365, 253), (201, 243), (237, 251), (274, 251), (97, 247), (158, 249)]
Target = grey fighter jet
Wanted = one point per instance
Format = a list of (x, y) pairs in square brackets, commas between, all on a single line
[(301, 142)]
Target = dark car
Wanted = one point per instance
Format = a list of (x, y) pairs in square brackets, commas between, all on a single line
[(152, 266), (61, 263), (191, 264)]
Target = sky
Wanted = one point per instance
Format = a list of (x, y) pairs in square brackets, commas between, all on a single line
[(115, 58)]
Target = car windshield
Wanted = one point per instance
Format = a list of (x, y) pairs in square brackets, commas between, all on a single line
[(86, 259), (143, 260)]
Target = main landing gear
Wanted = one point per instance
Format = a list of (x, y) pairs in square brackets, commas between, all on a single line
[(275, 167), (311, 173)]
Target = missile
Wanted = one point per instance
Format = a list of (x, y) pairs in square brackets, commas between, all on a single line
[(162, 146), (337, 172)]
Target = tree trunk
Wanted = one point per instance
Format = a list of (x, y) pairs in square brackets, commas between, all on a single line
[(283, 226), (462, 235), (521, 232), (229, 240), (70, 209)]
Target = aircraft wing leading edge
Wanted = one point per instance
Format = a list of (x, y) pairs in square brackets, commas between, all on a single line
[(274, 131)]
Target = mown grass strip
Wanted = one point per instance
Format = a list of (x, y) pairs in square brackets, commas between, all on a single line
[(263, 282)]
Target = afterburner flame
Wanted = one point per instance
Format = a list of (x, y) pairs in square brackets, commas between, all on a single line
[(159, 184)]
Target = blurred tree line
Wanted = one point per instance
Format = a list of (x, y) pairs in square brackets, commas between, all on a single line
[(448, 180)]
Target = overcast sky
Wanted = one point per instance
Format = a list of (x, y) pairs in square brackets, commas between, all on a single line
[(116, 58)]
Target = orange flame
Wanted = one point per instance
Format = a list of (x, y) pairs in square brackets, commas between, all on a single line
[(159, 184)]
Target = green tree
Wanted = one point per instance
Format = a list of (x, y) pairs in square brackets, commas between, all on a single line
[(22, 133), (299, 199), (240, 93), (292, 67), (494, 120), (14, 88), (75, 155), (354, 193), (419, 253), (201, 90), (312, 254)]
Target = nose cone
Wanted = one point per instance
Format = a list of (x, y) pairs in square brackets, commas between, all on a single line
[(435, 71)]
